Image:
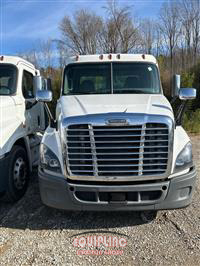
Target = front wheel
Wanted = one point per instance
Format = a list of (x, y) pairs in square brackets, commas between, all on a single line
[(18, 175)]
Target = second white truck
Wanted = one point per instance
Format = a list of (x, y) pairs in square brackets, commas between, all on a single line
[(21, 118), (116, 143)]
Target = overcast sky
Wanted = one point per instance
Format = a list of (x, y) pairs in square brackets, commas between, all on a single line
[(25, 22)]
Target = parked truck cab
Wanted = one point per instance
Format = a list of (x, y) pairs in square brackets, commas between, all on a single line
[(117, 144), (21, 117)]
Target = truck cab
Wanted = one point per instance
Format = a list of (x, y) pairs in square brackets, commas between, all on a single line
[(117, 144), (21, 118)]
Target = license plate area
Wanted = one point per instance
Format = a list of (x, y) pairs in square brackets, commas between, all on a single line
[(116, 197)]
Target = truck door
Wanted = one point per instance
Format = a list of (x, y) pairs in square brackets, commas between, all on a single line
[(35, 116)]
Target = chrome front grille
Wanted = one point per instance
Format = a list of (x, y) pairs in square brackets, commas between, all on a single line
[(117, 151)]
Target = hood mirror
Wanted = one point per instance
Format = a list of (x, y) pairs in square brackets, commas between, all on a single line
[(182, 93)]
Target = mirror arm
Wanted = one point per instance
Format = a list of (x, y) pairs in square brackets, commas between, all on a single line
[(172, 101), (29, 105), (52, 122), (180, 112)]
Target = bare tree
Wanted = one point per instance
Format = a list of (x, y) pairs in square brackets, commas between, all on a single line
[(182, 50), (88, 33), (62, 52), (190, 30), (31, 56), (121, 32), (170, 26), (148, 34), (159, 40), (80, 34), (109, 38), (187, 21), (46, 53), (196, 28)]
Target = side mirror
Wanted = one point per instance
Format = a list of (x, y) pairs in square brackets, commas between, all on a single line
[(187, 94), (38, 83), (176, 85), (43, 96), (41, 84), (48, 85)]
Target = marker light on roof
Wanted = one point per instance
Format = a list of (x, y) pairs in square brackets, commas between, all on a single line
[(101, 57), (109, 56), (143, 56), (118, 56), (1, 58)]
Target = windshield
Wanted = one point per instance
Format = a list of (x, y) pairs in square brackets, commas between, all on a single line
[(87, 79), (8, 75), (107, 78)]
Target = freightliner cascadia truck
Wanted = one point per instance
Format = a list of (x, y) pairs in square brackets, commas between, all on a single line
[(21, 117), (116, 143)]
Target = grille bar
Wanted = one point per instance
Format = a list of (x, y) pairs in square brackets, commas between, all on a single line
[(117, 171), (115, 129), (118, 165), (122, 159), (122, 141), (141, 156), (119, 153), (119, 147), (117, 136), (93, 149)]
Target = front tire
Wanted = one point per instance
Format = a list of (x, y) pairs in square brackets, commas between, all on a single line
[(18, 175)]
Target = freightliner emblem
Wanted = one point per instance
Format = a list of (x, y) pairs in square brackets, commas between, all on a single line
[(117, 122)]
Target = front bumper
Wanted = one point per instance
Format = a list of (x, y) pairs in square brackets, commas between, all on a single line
[(59, 193)]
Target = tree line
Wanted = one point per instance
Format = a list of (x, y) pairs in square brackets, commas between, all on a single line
[(173, 37)]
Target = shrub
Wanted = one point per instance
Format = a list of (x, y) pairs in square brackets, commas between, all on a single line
[(191, 121), (187, 80)]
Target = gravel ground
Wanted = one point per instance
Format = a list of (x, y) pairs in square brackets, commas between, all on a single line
[(32, 234)]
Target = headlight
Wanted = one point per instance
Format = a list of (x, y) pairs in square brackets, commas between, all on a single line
[(49, 160), (184, 159)]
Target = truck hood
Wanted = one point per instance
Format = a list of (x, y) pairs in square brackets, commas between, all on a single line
[(131, 103)]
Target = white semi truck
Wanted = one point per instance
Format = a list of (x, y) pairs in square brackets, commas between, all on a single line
[(116, 143), (21, 117)]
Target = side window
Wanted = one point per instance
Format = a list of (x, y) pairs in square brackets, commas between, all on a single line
[(27, 85)]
